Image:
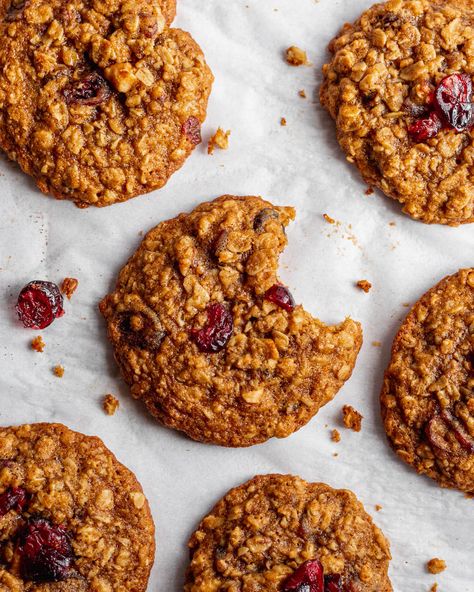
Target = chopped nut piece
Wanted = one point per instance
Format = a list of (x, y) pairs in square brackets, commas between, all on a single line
[(283, 122), (302, 93), (436, 566), (220, 140), (352, 419), (364, 285), (69, 286), (110, 404), (38, 344), (58, 371), (328, 219), (335, 436), (296, 56)]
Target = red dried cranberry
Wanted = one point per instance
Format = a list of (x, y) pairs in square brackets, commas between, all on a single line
[(309, 577), (192, 130), (438, 428), (91, 90), (12, 499), (262, 217), (139, 331), (281, 296), (45, 551), (453, 99), (215, 335), (426, 128), (39, 303), (333, 583)]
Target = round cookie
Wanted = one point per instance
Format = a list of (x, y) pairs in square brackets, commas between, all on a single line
[(99, 100), (260, 535), (428, 392), (210, 341), (72, 518), (381, 89)]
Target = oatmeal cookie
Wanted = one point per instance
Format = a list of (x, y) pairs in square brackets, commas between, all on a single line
[(210, 341), (428, 392), (384, 88), (99, 100), (72, 518), (277, 529)]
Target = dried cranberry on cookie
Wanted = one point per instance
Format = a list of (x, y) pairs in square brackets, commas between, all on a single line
[(99, 100), (210, 340), (278, 532), (400, 89)]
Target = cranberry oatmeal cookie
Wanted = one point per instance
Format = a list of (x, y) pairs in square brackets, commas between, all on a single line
[(278, 532), (399, 86), (72, 518), (99, 100), (428, 392), (208, 338)]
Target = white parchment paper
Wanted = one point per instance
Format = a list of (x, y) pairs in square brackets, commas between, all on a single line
[(299, 165)]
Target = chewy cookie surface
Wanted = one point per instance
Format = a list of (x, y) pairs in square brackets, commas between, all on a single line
[(72, 518), (382, 88), (210, 341), (428, 392), (262, 532), (99, 100)]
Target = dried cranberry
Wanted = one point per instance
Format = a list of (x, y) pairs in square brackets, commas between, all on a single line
[(139, 331), (262, 217), (12, 499), (309, 577), (282, 296), (45, 551), (443, 424), (333, 583), (91, 90), (453, 99), (192, 130), (426, 128), (215, 335), (39, 303)]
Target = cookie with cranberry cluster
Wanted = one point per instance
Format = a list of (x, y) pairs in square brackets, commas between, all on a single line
[(428, 392), (99, 100), (72, 518), (278, 532), (399, 87), (210, 340)]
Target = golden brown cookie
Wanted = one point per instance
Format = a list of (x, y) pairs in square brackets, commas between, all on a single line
[(72, 518), (208, 338), (428, 392), (399, 86), (99, 100), (278, 532)]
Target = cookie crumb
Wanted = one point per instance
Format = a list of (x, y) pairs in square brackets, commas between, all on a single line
[(369, 191), (38, 344), (406, 305), (335, 454), (69, 286), (58, 371), (110, 404), (364, 285), (392, 223), (352, 419), (283, 122), (220, 140), (435, 565), (302, 93), (296, 56), (376, 343), (335, 436), (328, 219), (378, 507), (434, 587)]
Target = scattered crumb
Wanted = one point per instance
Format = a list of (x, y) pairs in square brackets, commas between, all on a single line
[(335, 436), (220, 140), (369, 191), (435, 565), (296, 56), (38, 344), (376, 343), (434, 587), (364, 285), (68, 287), (328, 219), (302, 93), (283, 121), (406, 304), (392, 223), (378, 507), (352, 419), (110, 404), (335, 454), (58, 371)]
